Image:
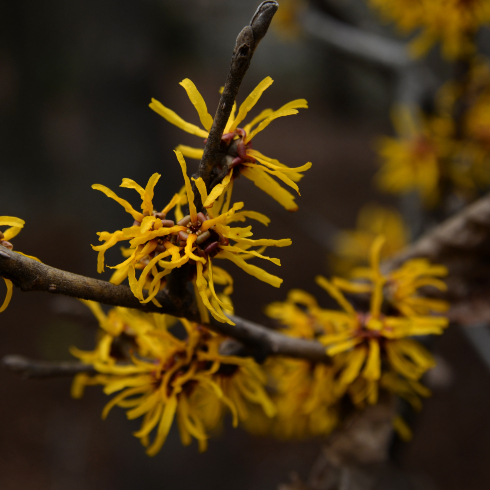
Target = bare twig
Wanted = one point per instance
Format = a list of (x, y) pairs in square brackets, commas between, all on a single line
[(467, 230), (413, 79), (45, 369), (354, 41), (246, 43), (29, 275)]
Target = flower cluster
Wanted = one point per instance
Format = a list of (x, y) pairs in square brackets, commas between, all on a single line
[(444, 154), (453, 23), (372, 348), (15, 225), (238, 156), (163, 377), (413, 161), (158, 245)]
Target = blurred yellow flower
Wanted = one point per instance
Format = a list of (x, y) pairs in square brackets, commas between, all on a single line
[(236, 143), (453, 23), (412, 162), (351, 247), (363, 338), (305, 399), (160, 376)]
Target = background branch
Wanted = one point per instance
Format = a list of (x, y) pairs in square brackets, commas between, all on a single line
[(45, 369)]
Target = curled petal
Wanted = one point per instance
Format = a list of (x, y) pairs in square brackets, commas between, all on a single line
[(8, 296), (176, 120), (125, 204), (198, 102)]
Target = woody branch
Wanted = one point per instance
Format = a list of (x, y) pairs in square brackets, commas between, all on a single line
[(467, 230)]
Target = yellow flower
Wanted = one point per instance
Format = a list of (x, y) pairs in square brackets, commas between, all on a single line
[(305, 399), (365, 339), (15, 226), (411, 162), (236, 143), (401, 286), (352, 246), (157, 245), (454, 23), (166, 377)]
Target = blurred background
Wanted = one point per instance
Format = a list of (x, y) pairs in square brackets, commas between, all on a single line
[(76, 79)]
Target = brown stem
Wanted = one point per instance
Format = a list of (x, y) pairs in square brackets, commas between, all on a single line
[(464, 231), (246, 44), (30, 275), (45, 369)]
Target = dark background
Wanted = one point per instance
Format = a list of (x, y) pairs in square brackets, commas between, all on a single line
[(75, 82)]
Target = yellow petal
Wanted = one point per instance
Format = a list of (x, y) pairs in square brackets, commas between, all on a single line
[(149, 423), (201, 187), (295, 104), (266, 122), (12, 221), (250, 102), (125, 204), (176, 120), (261, 218), (266, 183), (164, 426), (251, 269), (8, 296), (188, 187), (173, 202), (147, 205), (263, 115), (217, 190), (188, 151), (232, 248), (372, 370), (120, 397), (198, 102), (336, 295), (276, 165), (354, 363), (280, 175)]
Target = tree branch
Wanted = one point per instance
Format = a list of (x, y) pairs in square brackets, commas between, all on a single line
[(45, 369), (246, 44), (30, 275), (466, 230), (354, 41)]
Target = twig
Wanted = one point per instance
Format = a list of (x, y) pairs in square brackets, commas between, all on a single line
[(45, 369), (413, 79), (29, 275), (466, 230), (246, 43), (354, 41)]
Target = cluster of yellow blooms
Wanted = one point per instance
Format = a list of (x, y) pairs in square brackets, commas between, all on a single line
[(371, 350), (453, 23), (447, 152), (158, 245), (162, 377)]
